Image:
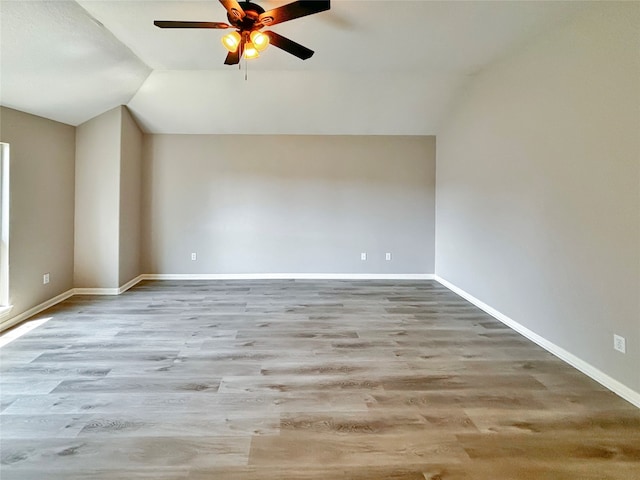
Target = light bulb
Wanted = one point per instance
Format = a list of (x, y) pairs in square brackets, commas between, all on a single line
[(231, 41), (260, 40), (250, 51)]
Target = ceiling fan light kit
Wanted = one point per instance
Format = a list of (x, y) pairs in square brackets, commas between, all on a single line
[(231, 41), (250, 51), (248, 19), (260, 40)]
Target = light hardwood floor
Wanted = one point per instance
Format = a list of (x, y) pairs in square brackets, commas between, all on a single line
[(299, 380)]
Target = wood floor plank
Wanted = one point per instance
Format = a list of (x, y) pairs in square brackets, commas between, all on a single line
[(293, 449), (284, 473), (123, 452)]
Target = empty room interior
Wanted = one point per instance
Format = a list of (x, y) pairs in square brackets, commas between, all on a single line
[(401, 243)]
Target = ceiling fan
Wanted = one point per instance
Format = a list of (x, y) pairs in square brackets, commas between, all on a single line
[(248, 19)]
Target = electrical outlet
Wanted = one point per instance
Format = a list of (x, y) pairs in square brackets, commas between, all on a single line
[(619, 343), (194, 256), (45, 278), (387, 256), (363, 256)]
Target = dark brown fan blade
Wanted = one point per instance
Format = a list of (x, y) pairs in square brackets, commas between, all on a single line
[(233, 58), (289, 46), (293, 10), (233, 8), (173, 24)]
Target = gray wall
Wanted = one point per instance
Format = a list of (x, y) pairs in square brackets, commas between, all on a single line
[(289, 204), (97, 221), (41, 207), (108, 200), (538, 192), (130, 198)]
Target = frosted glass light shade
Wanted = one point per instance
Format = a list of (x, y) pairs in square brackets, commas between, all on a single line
[(260, 40), (231, 41)]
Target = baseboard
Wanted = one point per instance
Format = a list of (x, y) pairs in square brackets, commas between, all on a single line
[(63, 296), (95, 291), (35, 310), (131, 283), (602, 378), (109, 291), (289, 276)]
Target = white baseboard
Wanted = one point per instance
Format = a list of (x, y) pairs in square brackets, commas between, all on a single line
[(131, 283), (95, 291), (60, 298), (35, 310), (599, 376), (289, 276), (109, 291)]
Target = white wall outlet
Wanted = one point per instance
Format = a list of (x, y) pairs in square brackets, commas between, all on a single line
[(194, 256), (45, 278), (619, 343), (387, 256), (363, 256)]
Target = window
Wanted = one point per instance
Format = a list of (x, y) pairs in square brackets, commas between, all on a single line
[(4, 228)]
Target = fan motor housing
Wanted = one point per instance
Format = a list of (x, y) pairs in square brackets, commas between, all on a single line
[(252, 12)]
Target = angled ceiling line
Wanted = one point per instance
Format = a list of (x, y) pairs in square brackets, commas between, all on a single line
[(124, 44)]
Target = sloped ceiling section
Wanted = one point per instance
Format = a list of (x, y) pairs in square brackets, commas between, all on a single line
[(295, 102), (381, 67), (59, 63)]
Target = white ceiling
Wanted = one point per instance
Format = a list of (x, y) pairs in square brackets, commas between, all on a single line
[(56, 62), (381, 67)]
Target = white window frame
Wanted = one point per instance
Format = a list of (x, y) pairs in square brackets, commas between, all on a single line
[(4, 229)]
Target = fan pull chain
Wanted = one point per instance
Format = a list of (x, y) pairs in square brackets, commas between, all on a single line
[(246, 69)]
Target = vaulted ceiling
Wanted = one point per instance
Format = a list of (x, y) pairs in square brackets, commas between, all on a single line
[(380, 67)]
